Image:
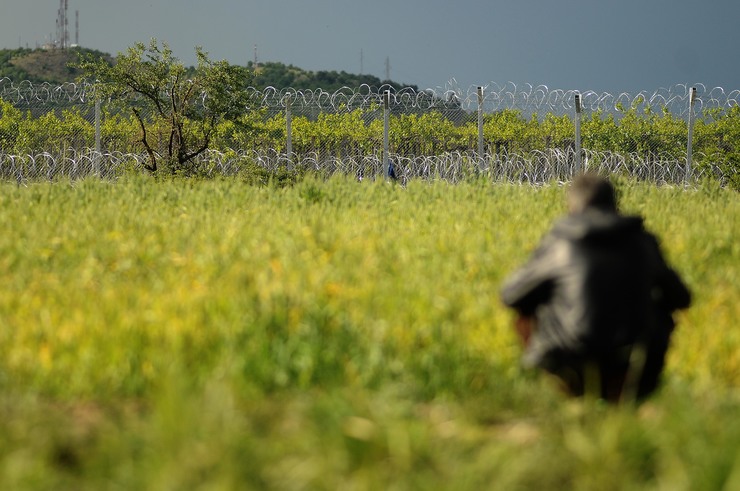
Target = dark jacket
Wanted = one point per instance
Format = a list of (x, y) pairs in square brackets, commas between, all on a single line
[(597, 283)]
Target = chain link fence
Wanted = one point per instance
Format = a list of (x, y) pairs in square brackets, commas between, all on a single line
[(520, 133)]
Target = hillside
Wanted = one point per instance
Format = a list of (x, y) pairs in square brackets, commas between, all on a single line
[(279, 75), (40, 65)]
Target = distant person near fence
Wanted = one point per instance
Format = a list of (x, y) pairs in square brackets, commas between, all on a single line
[(595, 302)]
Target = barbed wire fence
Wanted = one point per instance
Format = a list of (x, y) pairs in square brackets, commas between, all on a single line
[(385, 140)]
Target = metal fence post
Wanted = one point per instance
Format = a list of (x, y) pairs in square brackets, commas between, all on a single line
[(386, 131), (578, 165), (288, 128), (481, 152), (98, 146), (689, 143)]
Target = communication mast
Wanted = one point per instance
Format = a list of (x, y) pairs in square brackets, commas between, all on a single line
[(77, 27), (62, 25)]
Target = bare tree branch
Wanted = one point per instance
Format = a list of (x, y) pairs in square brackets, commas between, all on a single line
[(145, 142)]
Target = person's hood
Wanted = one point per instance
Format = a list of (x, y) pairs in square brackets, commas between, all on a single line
[(597, 224)]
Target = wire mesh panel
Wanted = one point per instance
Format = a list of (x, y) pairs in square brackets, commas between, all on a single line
[(503, 132), (45, 118)]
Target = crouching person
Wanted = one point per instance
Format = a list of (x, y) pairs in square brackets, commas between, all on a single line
[(595, 301)]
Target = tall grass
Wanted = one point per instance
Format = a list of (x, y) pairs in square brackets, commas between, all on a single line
[(333, 335)]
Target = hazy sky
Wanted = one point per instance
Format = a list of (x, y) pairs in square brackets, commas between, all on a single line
[(601, 45)]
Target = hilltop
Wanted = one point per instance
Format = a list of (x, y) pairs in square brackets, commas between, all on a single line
[(53, 66), (43, 65), (280, 76)]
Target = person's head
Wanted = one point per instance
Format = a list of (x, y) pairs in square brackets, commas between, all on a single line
[(591, 191)]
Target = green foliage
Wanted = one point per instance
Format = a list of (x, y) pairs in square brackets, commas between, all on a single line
[(717, 139), (181, 128), (53, 66), (428, 134), (161, 93), (253, 130), (43, 65), (281, 76), (21, 133), (10, 121), (559, 131), (642, 136), (600, 132), (509, 131), (652, 134), (8, 69), (341, 133)]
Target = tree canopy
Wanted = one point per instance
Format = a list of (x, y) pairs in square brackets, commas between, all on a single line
[(178, 110)]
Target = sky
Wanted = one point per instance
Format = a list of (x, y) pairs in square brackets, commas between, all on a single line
[(601, 45)]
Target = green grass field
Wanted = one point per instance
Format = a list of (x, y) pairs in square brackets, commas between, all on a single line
[(170, 335)]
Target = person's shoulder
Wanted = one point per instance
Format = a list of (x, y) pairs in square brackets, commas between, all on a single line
[(633, 222), (636, 223), (599, 227), (569, 225)]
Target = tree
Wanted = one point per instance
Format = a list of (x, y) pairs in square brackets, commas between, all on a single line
[(178, 110)]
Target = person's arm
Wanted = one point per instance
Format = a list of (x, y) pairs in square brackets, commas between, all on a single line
[(670, 292), (532, 284), (673, 293)]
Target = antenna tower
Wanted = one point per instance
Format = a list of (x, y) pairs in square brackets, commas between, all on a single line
[(77, 27), (62, 25)]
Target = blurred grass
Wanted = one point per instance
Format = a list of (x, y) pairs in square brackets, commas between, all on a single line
[(333, 335)]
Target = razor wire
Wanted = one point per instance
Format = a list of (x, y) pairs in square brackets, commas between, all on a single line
[(528, 98), (414, 156), (536, 168), (538, 99), (27, 94)]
